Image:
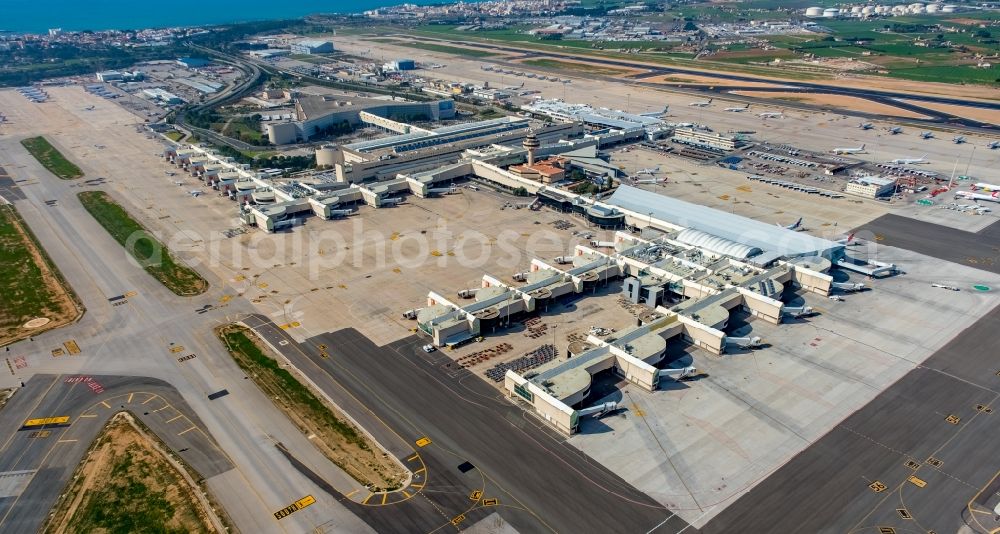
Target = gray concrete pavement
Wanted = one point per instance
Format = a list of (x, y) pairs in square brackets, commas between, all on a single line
[(548, 484), (979, 250), (136, 337), (905, 432)]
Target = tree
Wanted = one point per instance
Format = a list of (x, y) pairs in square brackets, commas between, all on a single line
[(520, 192)]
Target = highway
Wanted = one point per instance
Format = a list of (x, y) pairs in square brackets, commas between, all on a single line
[(402, 394)]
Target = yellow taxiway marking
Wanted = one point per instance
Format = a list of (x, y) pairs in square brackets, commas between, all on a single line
[(147, 401), (385, 496), (165, 406), (130, 397), (416, 486), (47, 421), (130, 294), (916, 481), (411, 458), (491, 502), (421, 470), (186, 431), (174, 418), (368, 498), (72, 347), (105, 403), (88, 415), (351, 493), (406, 494), (176, 348), (67, 441), (423, 442)]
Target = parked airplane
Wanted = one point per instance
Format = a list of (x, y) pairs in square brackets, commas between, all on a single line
[(958, 139), (88, 108), (194, 192), (702, 104), (737, 109), (771, 115), (843, 150), (648, 171), (969, 195), (179, 183), (866, 126), (994, 145), (927, 135), (910, 161), (847, 240), (986, 187), (651, 181), (170, 173), (794, 226), (895, 130)]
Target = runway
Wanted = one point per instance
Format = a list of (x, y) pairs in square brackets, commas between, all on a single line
[(542, 483), (980, 250), (926, 426), (36, 462)]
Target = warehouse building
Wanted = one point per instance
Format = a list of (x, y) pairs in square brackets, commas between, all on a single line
[(312, 46), (871, 186), (701, 138)]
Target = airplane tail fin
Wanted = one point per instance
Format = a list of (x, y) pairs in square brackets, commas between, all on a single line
[(850, 237), (709, 100), (798, 222), (862, 146)]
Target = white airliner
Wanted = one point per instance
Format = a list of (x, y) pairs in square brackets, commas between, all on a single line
[(958, 139), (771, 115), (994, 145), (194, 192), (969, 195), (737, 109), (702, 104), (981, 186), (895, 130), (794, 226), (847, 240), (927, 135), (922, 160), (865, 126), (843, 150), (649, 171), (651, 181)]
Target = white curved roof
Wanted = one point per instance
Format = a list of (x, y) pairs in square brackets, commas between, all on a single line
[(717, 244)]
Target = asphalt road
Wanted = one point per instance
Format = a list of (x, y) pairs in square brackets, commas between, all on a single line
[(979, 250), (36, 463), (542, 483), (825, 489)]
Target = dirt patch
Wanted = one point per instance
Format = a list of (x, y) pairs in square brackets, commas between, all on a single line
[(991, 116), (834, 101), (30, 286), (579, 67), (707, 80), (126, 484), (338, 439)]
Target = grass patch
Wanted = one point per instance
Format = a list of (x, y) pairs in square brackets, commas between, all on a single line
[(30, 286), (343, 444), (453, 50), (150, 253), (52, 159), (174, 135), (585, 68), (126, 485)]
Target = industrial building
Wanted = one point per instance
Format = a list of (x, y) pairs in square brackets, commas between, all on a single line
[(162, 95), (316, 113), (628, 125), (871, 186), (701, 138), (312, 46)]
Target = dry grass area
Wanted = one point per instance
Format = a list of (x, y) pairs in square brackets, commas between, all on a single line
[(30, 286), (127, 485), (338, 439), (579, 67), (986, 115), (834, 101), (706, 80)]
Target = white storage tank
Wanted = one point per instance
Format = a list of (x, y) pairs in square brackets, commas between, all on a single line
[(868, 10), (881, 9), (328, 155), (933, 8), (950, 8), (831, 12), (855, 10), (814, 12)]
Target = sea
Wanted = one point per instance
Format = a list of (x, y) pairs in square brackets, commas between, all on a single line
[(75, 15)]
